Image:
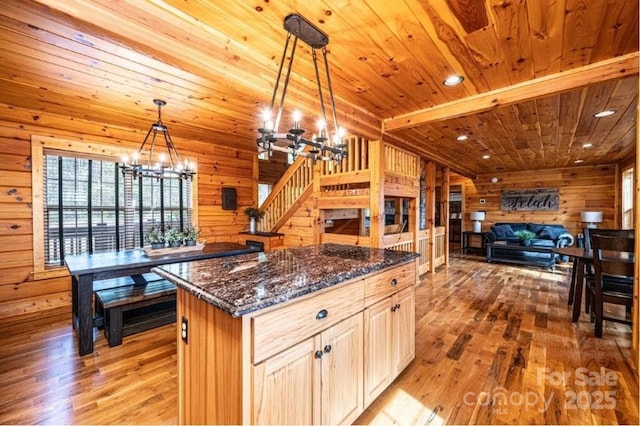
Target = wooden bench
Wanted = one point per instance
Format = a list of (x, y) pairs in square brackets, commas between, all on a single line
[(135, 308)]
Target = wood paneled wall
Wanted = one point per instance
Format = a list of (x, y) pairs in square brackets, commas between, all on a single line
[(301, 229), (580, 189), (19, 292)]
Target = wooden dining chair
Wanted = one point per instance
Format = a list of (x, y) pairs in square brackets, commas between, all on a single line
[(589, 273), (613, 263)]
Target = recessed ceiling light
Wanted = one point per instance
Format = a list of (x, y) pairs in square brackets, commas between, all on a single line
[(453, 80), (486, 157), (587, 145), (605, 113), (462, 138), (579, 161)]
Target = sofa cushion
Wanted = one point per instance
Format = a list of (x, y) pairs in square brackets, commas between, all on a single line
[(502, 231), (538, 242), (516, 226), (552, 232), (536, 228)]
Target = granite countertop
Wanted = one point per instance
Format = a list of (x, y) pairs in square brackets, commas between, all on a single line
[(246, 283)]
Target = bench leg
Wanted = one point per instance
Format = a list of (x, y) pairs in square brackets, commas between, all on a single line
[(113, 326)]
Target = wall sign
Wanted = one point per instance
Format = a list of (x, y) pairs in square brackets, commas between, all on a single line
[(531, 199)]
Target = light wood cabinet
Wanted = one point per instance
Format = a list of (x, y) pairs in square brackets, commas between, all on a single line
[(319, 359), (389, 340), (404, 329), (342, 372), (321, 378), (295, 374), (378, 349)]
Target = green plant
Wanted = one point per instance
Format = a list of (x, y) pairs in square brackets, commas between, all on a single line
[(252, 212), (191, 233), (172, 235), (525, 235), (155, 236)]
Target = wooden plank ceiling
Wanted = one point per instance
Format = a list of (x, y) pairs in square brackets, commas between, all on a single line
[(215, 63)]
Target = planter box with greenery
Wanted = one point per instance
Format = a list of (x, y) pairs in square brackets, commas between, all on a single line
[(191, 235), (155, 237), (173, 237)]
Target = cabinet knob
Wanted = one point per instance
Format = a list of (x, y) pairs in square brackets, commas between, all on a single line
[(322, 314), (318, 354), (394, 282), (397, 306), (327, 349), (393, 308)]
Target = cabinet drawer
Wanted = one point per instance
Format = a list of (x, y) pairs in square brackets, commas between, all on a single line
[(282, 328), (388, 282)]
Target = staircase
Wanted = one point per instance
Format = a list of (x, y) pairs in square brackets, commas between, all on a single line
[(296, 185), (291, 191)]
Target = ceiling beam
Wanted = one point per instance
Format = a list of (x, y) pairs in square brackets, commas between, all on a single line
[(565, 81)]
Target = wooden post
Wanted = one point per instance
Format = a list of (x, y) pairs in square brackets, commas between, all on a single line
[(635, 329), (431, 210), (445, 212), (376, 192)]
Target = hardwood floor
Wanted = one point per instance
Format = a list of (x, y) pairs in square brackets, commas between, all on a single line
[(495, 344)]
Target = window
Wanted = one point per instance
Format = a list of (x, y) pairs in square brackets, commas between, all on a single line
[(264, 190), (84, 204), (627, 199)]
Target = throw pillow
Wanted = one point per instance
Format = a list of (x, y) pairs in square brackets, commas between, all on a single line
[(502, 231), (552, 232), (536, 228)]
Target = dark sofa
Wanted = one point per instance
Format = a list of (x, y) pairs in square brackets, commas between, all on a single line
[(546, 236)]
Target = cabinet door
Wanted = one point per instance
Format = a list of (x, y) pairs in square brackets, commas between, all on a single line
[(286, 388), (342, 377), (378, 351), (404, 333)]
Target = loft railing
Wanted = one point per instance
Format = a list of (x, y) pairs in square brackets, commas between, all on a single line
[(423, 249), (400, 162), (438, 246)]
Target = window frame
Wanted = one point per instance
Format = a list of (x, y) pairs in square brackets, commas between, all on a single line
[(69, 148)]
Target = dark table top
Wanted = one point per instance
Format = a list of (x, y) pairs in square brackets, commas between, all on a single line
[(102, 262), (574, 252), (263, 234), (242, 284)]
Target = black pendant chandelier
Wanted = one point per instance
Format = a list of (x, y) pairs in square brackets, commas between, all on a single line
[(158, 160), (324, 145)]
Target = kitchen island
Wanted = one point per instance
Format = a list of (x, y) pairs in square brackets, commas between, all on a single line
[(308, 335)]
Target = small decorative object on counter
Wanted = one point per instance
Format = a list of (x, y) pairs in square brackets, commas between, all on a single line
[(173, 237), (254, 216), (191, 235), (155, 237)]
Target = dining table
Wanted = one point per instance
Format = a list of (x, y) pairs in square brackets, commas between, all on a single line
[(85, 269), (581, 258)]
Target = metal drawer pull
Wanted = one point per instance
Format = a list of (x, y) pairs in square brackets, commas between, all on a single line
[(394, 282), (318, 354), (322, 314), (327, 349)]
